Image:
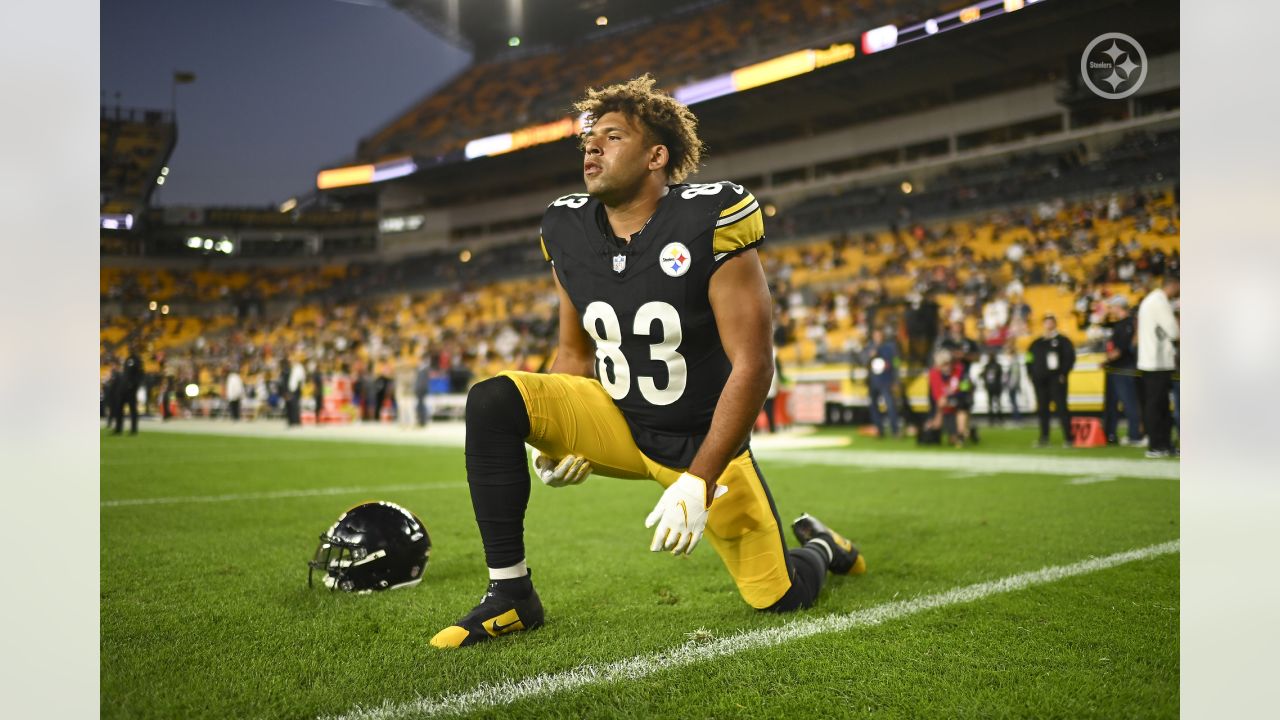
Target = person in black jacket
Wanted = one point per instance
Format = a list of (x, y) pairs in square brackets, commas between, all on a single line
[(1049, 362), (127, 394)]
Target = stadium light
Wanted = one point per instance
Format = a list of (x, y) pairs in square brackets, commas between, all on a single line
[(152, 305), (208, 243), (192, 390), (164, 309), (906, 187), (288, 205), (164, 170), (770, 210), (513, 41), (160, 180), (602, 21), (465, 256), (194, 242)]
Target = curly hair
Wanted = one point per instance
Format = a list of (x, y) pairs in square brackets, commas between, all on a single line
[(668, 121)]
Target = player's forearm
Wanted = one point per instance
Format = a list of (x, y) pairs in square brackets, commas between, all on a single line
[(736, 412)]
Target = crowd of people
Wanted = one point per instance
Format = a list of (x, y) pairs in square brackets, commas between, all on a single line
[(504, 93), (977, 289)]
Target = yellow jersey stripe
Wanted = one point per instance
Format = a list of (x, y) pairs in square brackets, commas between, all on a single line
[(738, 205), (545, 255), (744, 231)]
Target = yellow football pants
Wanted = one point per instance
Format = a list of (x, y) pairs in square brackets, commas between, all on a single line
[(569, 414)]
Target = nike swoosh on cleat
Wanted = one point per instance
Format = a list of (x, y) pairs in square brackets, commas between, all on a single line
[(498, 629)]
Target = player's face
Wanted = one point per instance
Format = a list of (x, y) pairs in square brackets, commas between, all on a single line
[(615, 157)]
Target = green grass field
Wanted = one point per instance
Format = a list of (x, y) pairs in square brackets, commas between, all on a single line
[(205, 610)]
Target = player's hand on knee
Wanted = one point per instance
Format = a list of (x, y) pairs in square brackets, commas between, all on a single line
[(569, 470), (681, 516)]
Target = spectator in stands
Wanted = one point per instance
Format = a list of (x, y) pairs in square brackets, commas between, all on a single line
[(1157, 359), (234, 393), (1121, 368), (882, 377), (1049, 362)]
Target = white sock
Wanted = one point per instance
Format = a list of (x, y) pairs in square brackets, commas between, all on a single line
[(816, 541), (518, 570)]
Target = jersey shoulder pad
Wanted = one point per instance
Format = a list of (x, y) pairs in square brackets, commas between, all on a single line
[(739, 224), (559, 212)]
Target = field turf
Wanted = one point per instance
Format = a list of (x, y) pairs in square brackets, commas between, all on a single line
[(205, 610)]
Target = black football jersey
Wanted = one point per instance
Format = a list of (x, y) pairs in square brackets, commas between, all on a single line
[(658, 351)]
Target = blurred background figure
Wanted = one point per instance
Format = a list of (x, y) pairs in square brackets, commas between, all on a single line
[(1049, 361), (405, 379), (882, 377), (952, 394), (1120, 392), (1012, 377), (130, 382), (1157, 359), (234, 393), (993, 383), (421, 387), (771, 399), (294, 377), (111, 391), (318, 379)]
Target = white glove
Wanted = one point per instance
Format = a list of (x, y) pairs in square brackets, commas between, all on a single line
[(570, 470), (681, 515)]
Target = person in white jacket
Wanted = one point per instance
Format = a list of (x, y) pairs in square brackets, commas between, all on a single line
[(234, 394), (1157, 360)]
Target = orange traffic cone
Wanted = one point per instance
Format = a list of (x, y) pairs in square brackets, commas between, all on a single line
[(1087, 432)]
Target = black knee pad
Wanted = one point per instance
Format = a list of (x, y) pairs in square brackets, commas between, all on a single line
[(495, 407)]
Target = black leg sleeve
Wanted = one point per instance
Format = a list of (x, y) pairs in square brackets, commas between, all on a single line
[(808, 568), (497, 468)]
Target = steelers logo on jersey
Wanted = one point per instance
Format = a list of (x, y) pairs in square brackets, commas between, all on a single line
[(675, 259)]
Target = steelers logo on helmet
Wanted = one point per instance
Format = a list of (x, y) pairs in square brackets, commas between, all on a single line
[(372, 546), (675, 259)]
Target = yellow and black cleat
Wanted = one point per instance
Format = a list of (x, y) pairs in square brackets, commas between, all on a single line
[(496, 615), (846, 559)]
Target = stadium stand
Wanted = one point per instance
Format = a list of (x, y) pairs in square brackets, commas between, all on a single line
[(537, 85), (135, 145)]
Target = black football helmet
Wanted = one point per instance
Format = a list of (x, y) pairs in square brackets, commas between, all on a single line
[(374, 546)]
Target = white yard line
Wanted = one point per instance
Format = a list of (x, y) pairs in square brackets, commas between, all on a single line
[(793, 446), (1091, 479), (504, 692), (980, 463), (278, 494)]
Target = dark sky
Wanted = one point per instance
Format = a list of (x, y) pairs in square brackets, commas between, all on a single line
[(283, 87)]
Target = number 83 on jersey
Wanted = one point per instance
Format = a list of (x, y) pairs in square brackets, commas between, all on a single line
[(612, 367)]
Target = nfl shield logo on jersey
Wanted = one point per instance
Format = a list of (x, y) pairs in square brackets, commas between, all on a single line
[(675, 259), (619, 263)]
